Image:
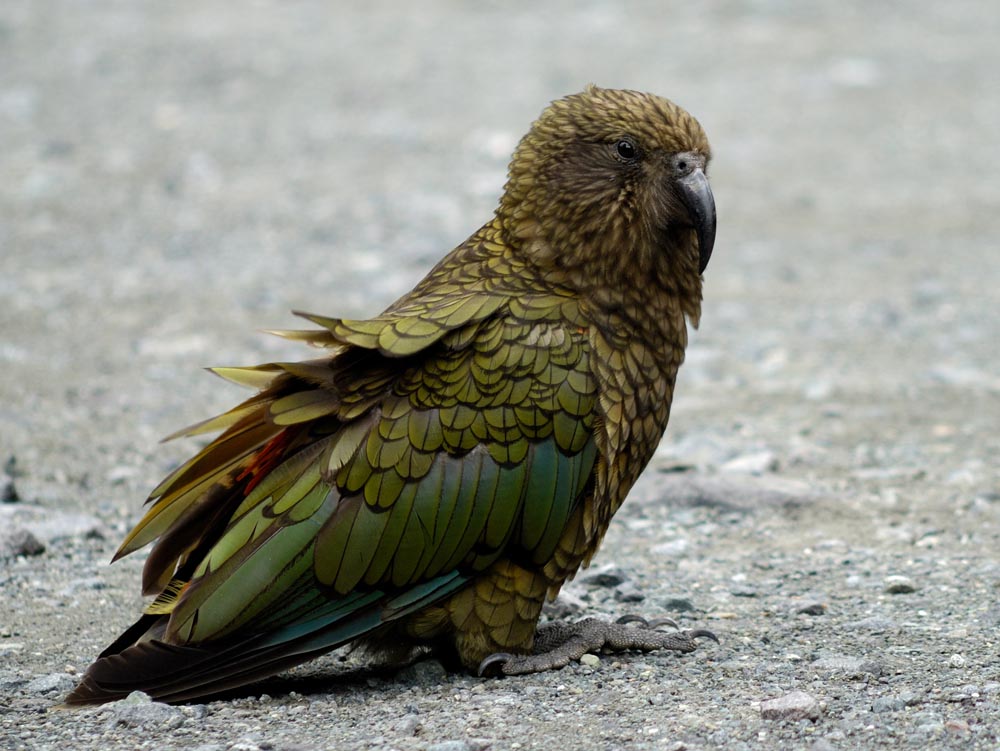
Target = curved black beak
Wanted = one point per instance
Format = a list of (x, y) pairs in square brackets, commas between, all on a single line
[(697, 196)]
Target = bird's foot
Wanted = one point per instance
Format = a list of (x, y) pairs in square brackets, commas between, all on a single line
[(558, 643)]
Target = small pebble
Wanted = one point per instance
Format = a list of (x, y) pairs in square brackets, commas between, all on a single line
[(899, 585), (745, 494), (11, 681), (678, 604), (797, 705), (874, 625), (811, 608), (408, 725), (567, 605), (628, 592), (451, 746), (81, 585), (51, 683), (49, 524), (590, 660), (118, 475), (848, 665), (19, 541), (888, 704), (138, 710), (754, 464), (671, 548), (604, 576), (956, 661), (957, 727), (8, 493), (428, 672)]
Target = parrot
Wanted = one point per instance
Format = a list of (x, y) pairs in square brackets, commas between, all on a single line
[(436, 476)]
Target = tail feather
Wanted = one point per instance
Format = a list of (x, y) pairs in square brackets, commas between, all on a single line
[(177, 673)]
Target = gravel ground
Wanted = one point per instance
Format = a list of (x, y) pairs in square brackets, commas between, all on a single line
[(176, 176)]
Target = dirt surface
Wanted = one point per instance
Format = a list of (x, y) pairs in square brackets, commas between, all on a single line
[(176, 176)]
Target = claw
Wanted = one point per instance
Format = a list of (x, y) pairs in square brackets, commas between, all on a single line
[(657, 622), (633, 619), (702, 633), (653, 624), (497, 658)]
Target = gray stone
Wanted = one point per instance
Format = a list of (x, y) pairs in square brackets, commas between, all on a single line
[(568, 604), (19, 541), (744, 494), (797, 705), (52, 683), (756, 463), (472, 744), (49, 524), (671, 548), (604, 576), (957, 726), (628, 592), (11, 681), (888, 704), (678, 604), (409, 724), (139, 711), (875, 625), (965, 693), (118, 475), (80, 585), (8, 493), (849, 666), (429, 672), (899, 585)]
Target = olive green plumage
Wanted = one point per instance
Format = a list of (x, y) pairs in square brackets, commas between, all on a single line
[(450, 462)]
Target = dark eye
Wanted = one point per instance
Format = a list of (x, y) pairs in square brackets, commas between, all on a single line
[(626, 150)]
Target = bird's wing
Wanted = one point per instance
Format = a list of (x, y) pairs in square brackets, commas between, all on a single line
[(481, 446), (358, 489)]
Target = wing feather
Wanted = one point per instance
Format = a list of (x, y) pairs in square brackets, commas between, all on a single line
[(359, 489)]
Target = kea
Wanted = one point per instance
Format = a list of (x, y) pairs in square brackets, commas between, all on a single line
[(448, 464)]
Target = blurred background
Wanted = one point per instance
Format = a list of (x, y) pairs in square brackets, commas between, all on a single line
[(179, 175), (176, 176), (221, 165)]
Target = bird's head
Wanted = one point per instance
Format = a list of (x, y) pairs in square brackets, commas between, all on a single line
[(607, 179)]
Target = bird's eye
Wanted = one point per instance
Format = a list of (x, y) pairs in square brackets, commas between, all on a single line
[(626, 150)]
